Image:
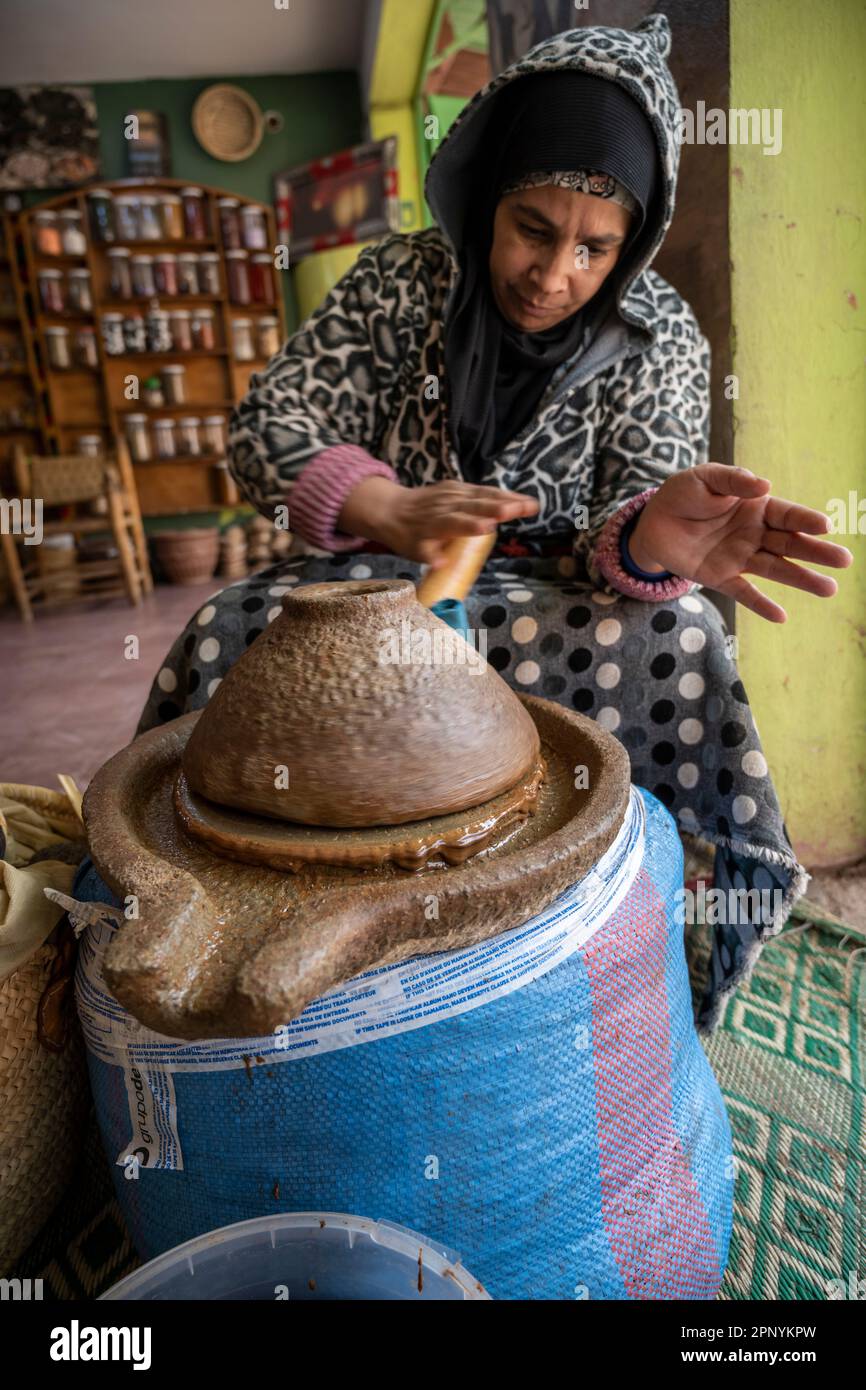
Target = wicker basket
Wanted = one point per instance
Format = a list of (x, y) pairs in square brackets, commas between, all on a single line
[(44, 1098), (227, 122), (188, 557)]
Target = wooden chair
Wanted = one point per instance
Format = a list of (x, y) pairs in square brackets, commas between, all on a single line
[(71, 481)]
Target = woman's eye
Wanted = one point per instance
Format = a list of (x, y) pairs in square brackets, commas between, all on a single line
[(529, 231)]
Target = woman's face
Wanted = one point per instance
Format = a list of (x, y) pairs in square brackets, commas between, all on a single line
[(552, 249)]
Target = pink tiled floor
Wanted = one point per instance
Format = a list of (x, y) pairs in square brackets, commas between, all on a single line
[(68, 697)]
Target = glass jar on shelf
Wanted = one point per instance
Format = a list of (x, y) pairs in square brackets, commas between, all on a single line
[(163, 438), (203, 331), (149, 223), (214, 435), (137, 438), (46, 231), (80, 291), (181, 330), (126, 216), (52, 296), (171, 216), (89, 445), (143, 282), (57, 347), (230, 223), (72, 237), (254, 228), (152, 394), (113, 338), (194, 218), (187, 275), (237, 272), (243, 348), (262, 279), (134, 333), (209, 274), (174, 384), (86, 354), (188, 441), (165, 273), (157, 327), (100, 206), (120, 272), (267, 336)]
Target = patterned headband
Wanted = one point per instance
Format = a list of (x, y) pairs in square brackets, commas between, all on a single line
[(582, 181)]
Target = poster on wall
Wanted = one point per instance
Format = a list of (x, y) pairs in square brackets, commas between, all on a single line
[(49, 137), (346, 197)]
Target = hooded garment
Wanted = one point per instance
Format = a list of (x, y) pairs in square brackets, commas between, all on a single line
[(545, 125), (627, 409)]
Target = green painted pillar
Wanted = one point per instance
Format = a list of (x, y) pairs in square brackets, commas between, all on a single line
[(798, 250)]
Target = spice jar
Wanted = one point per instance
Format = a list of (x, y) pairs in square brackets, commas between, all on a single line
[(230, 223), (100, 204), (119, 272), (214, 434), (113, 342), (149, 223), (72, 237), (51, 295), (134, 334), (203, 334), (80, 292), (242, 340), (261, 279), (47, 234), (57, 347), (187, 275), (267, 336), (174, 384), (254, 229), (209, 274), (171, 216), (90, 445), (165, 273), (194, 223), (188, 441), (181, 330), (126, 216), (143, 283), (86, 354), (137, 437), (237, 268), (157, 325), (163, 438), (152, 393)]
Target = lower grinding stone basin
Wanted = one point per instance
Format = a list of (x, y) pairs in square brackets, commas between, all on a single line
[(228, 949)]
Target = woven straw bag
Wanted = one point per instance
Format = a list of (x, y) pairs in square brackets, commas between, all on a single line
[(44, 1091)]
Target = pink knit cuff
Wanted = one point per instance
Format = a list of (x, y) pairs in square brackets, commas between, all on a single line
[(322, 487), (609, 563)]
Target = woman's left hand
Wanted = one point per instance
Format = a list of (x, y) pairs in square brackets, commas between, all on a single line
[(714, 524)]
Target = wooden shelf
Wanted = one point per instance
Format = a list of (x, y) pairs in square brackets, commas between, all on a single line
[(166, 357), (193, 408)]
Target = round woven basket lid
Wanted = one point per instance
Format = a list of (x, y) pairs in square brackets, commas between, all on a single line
[(227, 122)]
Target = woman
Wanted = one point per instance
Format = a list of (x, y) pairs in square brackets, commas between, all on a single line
[(518, 367)]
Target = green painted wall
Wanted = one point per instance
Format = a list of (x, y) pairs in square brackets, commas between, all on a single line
[(798, 249)]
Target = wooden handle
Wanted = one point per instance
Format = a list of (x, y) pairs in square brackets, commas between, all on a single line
[(465, 557)]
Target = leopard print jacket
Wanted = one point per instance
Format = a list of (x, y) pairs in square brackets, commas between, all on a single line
[(368, 367)]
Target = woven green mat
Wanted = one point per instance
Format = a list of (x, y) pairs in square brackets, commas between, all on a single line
[(789, 1056)]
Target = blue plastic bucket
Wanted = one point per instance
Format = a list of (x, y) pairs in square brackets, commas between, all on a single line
[(540, 1103)]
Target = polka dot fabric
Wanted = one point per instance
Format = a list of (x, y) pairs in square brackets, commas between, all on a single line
[(660, 677)]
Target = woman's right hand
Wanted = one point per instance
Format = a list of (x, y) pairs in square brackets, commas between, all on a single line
[(418, 522)]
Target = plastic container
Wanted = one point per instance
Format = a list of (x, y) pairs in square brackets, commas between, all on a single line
[(165, 273), (113, 335), (238, 273), (51, 291), (174, 384), (57, 347), (72, 237), (138, 438), (243, 347), (262, 279), (214, 434), (171, 216), (181, 330), (134, 333), (203, 331), (209, 274), (188, 438), (143, 282), (80, 291), (267, 336), (301, 1256), (126, 216), (47, 234), (187, 275), (149, 222), (120, 272), (254, 229), (100, 205), (194, 220), (89, 445), (230, 223), (157, 326), (86, 353), (163, 438)]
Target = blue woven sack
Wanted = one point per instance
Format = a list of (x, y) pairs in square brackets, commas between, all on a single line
[(539, 1103)]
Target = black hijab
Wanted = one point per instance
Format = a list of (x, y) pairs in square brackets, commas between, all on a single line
[(548, 122)]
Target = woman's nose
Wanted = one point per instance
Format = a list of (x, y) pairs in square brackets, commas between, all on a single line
[(554, 273)]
